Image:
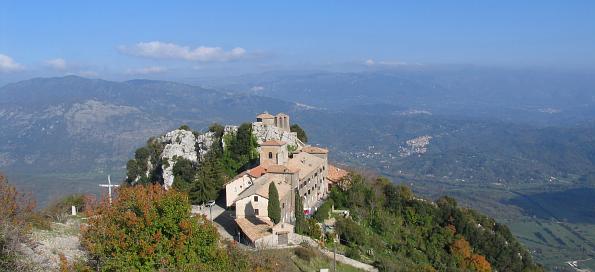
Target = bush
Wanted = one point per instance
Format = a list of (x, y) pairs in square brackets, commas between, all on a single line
[(59, 210), (350, 232), (305, 253), (148, 228), (313, 229), (324, 211), (15, 210), (353, 253)]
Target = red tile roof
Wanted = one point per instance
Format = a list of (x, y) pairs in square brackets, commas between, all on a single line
[(273, 143), (265, 115), (335, 174), (314, 150), (277, 169), (257, 171)]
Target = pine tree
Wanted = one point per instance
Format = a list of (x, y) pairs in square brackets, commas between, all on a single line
[(274, 207), (301, 134), (208, 180), (300, 220)]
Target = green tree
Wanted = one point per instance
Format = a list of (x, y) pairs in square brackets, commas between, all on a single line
[(208, 180), (241, 146), (300, 219), (301, 134), (148, 228), (184, 171), (274, 207), (185, 127), (218, 129), (323, 211)]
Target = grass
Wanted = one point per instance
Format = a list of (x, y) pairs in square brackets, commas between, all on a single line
[(319, 261), (561, 241)]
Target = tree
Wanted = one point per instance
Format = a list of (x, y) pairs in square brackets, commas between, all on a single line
[(244, 146), (301, 134), (323, 211), (467, 259), (148, 228), (15, 211), (217, 129), (184, 172), (185, 127), (274, 207), (208, 180), (300, 220)]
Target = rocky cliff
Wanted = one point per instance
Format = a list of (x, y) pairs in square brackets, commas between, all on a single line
[(193, 146)]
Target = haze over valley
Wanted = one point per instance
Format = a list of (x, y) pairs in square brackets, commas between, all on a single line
[(445, 106)]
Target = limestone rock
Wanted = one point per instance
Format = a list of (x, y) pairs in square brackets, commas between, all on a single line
[(182, 144)]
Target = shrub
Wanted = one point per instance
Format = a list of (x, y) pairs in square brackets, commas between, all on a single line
[(148, 228), (313, 229), (353, 253), (323, 211), (59, 210), (15, 210), (305, 253)]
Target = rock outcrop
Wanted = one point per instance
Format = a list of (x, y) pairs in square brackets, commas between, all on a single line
[(264, 133), (191, 146), (182, 144)]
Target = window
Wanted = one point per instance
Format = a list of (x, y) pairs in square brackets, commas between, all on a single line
[(255, 198), (270, 155), (256, 211), (283, 205)]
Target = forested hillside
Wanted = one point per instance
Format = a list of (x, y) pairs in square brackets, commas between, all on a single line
[(398, 231)]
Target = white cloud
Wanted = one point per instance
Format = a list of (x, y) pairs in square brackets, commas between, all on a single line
[(7, 64), (369, 62), (58, 64), (146, 70), (163, 50)]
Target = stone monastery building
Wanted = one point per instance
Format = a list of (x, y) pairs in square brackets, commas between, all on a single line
[(294, 169)]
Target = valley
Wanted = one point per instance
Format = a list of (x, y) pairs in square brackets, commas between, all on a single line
[(65, 135)]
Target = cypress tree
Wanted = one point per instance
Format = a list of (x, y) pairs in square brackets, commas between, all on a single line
[(274, 207), (300, 219)]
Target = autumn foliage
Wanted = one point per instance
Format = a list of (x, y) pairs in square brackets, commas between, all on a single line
[(147, 228), (468, 261), (15, 211)]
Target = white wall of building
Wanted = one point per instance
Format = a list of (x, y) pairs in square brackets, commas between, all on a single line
[(247, 206), (235, 187)]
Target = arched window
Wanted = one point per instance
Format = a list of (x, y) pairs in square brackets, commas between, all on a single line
[(270, 155)]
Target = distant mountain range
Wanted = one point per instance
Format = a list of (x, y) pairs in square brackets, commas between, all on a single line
[(539, 97), (77, 125)]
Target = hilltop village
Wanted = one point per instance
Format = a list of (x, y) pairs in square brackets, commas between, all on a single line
[(296, 169), (300, 169)]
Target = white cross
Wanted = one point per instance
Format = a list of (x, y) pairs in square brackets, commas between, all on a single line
[(109, 186)]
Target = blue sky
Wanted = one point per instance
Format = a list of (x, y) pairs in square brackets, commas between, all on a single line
[(124, 39)]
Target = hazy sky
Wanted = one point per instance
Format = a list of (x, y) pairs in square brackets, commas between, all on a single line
[(194, 38)]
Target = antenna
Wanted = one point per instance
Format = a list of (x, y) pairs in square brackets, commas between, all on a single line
[(109, 186)]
